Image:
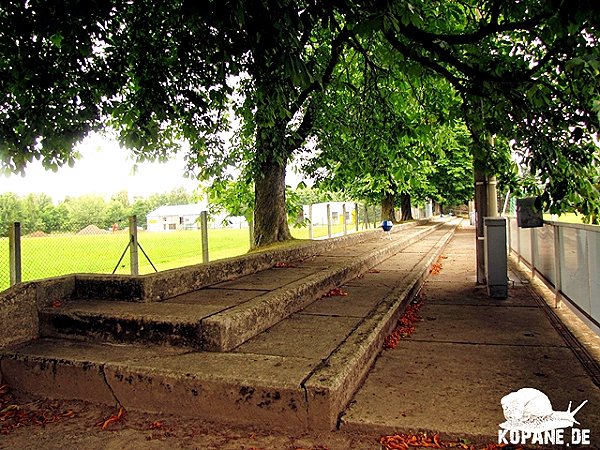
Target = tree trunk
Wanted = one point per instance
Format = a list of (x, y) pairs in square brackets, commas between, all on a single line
[(388, 207), (270, 214), (405, 207)]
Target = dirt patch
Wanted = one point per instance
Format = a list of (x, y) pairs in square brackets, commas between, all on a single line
[(37, 234), (92, 229)]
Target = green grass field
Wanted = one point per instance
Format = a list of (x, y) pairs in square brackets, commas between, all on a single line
[(55, 255)]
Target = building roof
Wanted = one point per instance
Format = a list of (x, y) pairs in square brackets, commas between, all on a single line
[(193, 209)]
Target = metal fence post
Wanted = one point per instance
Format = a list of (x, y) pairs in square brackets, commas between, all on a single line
[(557, 268), (204, 232), (356, 216), (310, 222), (14, 257), (250, 233), (133, 246), (345, 224), (328, 220)]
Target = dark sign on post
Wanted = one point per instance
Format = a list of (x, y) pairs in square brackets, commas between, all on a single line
[(528, 215)]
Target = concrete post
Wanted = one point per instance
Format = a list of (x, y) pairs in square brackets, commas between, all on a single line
[(204, 235), (133, 246), (328, 220), (345, 225), (14, 257), (356, 216), (481, 210), (492, 196)]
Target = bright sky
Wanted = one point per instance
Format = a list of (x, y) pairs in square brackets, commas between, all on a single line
[(103, 169)]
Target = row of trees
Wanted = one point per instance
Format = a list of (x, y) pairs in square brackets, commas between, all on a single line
[(37, 212), (374, 93)]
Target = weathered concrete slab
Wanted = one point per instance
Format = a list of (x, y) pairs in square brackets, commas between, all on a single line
[(267, 280), (212, 296), (18, 315), (456, 388), (246, 389), (406, 261), (257, 389), (523, 326), (468, 294), (159, 323), (358, 303), (302, 335), (65, 369)]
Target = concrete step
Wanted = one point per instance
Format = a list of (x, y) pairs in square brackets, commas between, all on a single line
[(300, 374), (223, 316)]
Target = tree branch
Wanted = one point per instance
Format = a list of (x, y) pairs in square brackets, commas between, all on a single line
[(458, 83)]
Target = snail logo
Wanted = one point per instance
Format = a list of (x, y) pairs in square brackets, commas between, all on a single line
[(530, 419)]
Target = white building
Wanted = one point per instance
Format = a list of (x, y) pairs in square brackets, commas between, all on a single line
[(319, 213), (175, 217)]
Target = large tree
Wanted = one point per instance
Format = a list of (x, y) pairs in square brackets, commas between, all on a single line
[(159, 72)]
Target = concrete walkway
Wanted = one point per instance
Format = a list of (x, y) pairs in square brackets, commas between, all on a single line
[(467, 353)]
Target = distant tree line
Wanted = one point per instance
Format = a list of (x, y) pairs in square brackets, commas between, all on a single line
[(38, 212)]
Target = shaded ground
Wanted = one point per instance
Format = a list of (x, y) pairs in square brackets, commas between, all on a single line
[(83, 430)]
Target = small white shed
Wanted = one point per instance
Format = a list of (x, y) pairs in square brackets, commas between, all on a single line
[(175, 217)]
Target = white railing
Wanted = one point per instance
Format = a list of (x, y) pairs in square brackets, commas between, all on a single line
[(567, 257)]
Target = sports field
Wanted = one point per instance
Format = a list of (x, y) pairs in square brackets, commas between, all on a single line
[(62, 254)]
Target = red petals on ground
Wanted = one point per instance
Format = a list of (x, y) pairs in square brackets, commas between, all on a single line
[(284, 265), (115, 418), (437, 266), (14, 415), (336, 292), (406, 325), (403, 441)]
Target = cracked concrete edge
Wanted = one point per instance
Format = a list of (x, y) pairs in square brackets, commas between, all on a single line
[(230, 400), (41, 376), (18, 315), (332, 385), (226, 330)]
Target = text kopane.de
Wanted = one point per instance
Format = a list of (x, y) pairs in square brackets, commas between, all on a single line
[(550, 437)]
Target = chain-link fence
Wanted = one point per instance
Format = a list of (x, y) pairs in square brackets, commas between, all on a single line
[(167, 242), (4, 266), (91, 250), (96, 250)]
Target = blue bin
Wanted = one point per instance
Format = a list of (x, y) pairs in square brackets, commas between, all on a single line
[(386, 225)]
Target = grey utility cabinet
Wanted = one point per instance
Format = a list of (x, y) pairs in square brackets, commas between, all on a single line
[(496, 264)]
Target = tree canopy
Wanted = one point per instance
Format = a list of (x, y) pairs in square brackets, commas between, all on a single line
[(163, 72)]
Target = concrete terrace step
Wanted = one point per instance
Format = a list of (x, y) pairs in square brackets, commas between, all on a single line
[(223, 316), (299, 374)]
